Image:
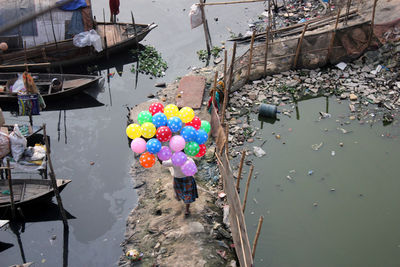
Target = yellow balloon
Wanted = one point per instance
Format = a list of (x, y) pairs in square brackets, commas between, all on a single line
[(133, 131), (171, 111), (148, 130), (186, 114)]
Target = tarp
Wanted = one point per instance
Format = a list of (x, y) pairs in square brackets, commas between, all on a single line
[(74, 5)]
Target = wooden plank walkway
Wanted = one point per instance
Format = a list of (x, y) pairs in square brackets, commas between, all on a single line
[(190, 91)]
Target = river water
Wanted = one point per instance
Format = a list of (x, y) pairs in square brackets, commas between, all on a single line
[(101, 195), (335, 206)]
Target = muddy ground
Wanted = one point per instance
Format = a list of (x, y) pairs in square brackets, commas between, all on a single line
[(158, 228)]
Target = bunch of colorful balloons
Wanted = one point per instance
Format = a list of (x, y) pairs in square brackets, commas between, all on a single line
[(170, 133)]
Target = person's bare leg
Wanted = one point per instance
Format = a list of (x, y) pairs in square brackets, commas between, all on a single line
[(187, 211)]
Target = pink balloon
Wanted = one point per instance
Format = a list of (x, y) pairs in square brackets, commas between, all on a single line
[(178, 158), (189, 168), (177, 143), (138, 145), (165, 153)]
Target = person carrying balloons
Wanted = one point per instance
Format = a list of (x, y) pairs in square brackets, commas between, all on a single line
[(185, 187)]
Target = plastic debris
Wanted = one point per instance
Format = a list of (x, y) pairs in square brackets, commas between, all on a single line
[(258, 151), (310, 172), (221, 194), (317, 146), (333, 153), (324, 115), (341, 65), (344, 130)]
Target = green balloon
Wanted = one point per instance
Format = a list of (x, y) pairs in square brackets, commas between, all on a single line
[(192, 148), (205, 126), (145, 116)]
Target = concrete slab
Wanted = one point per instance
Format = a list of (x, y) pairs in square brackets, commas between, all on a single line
[(190, 91)]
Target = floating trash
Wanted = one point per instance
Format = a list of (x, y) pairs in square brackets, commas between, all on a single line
[(317, 146)]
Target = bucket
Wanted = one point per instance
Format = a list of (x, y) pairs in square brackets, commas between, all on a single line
[(267, 110)]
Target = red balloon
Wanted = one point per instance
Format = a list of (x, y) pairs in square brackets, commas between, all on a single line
[(155, 108), (202, 151), (163, 133), (147, 160), (196, 123)]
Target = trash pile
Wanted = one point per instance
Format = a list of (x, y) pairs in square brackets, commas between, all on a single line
[(288, 13), (370, 82)]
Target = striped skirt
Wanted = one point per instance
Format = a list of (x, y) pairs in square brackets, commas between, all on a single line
[(186, 189)]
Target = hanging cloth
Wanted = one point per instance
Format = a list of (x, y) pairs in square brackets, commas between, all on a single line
[(114, 7)]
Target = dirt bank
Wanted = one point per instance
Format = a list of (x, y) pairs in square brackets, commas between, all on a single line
[(158, 228)]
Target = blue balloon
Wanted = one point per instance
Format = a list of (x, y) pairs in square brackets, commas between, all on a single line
[(189, 133), (202, 137), (159, 119), (153, 146), (175, 124)]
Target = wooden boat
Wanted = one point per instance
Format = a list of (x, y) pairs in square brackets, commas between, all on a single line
[(28, 191), (70, 84), (40, 50)]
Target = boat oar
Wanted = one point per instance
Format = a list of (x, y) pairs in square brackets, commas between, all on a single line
[(136, 50)]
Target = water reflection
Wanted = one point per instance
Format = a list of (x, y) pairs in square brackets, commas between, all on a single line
[(47, 212)]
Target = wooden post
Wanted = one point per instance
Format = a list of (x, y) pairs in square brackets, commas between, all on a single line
[(10, 188), (299, 46), (240, 170), (260, 222), (227, 137), (26, 57), (231, 67), (134, 29), (347, 11), (205, 27), (269, 14), (53, 180), (225, 66), (266, 51), (52, 27), (371, 32), (250, 56), (105, 35), (328, 55), (214, 101), (247, 188)]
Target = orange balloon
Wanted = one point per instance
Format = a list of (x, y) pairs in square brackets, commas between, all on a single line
[(147, 160)]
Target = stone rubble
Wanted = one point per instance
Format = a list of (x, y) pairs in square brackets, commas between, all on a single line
[(359, 83)]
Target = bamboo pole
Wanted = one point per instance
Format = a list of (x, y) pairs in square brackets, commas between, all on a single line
[(260, 222), (269, 14), (53, 179), (225, 66), (328, 55), (10, 188), (227, 137), (299, 46), (266, 52), (247, 188), (214, 101), (205, 27), (241, 241), (250, 56), (26, 57), (371, 32), (319, 22), (105, 35), (347, 12), (231, 67), (240, 170), (52, 28), (232, 2)]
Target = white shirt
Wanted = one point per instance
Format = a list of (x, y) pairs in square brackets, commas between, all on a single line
[(177, 169)]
